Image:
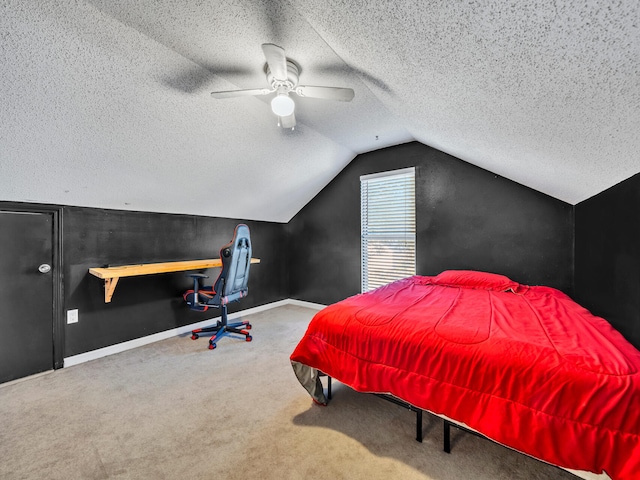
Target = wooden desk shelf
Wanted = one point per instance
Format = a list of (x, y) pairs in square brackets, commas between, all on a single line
[(111, 275)]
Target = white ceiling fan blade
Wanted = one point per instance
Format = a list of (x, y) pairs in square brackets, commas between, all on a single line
[(326, 93), (289, 121), (241, 93), (276, 60)]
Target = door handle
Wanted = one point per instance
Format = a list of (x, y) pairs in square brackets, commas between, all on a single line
[(44, 268)]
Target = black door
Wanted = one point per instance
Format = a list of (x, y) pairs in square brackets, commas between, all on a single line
[(26, 294)]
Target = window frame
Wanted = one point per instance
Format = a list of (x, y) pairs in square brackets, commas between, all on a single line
[(391, 236)]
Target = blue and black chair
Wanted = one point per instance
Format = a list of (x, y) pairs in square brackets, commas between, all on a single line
[(230, 286)]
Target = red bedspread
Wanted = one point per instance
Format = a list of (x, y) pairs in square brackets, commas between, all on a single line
[(525, 366)]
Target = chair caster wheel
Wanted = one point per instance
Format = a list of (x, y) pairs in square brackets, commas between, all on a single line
[(212, 346), (248, 326), (195, 336), (249, 338)]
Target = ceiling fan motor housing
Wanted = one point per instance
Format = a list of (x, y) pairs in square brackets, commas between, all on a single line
[(291, 82)]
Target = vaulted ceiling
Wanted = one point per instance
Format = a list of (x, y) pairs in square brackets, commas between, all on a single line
[(106, 103)]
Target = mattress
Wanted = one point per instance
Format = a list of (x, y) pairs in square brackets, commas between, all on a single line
[(523, 365)]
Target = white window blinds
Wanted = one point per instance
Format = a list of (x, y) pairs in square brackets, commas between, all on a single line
[(388, 214)]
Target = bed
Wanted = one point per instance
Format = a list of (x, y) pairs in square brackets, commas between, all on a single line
[(525, 366)]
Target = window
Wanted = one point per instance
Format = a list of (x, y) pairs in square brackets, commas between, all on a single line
[(388, 214)]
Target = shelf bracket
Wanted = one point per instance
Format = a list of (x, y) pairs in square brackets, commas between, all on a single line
[(109, 288)]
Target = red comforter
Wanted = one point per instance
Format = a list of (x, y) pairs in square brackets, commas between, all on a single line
[(525, 366)]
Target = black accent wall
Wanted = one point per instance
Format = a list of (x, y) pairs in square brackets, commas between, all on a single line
[(607, 263), (153, 303), (467, 218)]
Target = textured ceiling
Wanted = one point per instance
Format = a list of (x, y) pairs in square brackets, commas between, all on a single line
[(105, 103)]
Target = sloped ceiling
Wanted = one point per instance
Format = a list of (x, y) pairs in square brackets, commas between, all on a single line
[(106, 103)]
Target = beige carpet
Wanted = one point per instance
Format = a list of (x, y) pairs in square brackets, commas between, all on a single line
[(175, 410)]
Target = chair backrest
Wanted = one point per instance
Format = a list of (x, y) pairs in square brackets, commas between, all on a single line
[(232, 282)]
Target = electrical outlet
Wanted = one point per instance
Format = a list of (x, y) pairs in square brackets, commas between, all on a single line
[(72, 316)]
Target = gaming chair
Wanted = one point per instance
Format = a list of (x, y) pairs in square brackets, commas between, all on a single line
[(230, 286)]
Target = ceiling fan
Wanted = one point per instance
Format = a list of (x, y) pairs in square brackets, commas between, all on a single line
[(282, 78)]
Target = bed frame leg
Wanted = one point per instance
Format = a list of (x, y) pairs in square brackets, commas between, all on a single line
[(447, 436), (391, 399)]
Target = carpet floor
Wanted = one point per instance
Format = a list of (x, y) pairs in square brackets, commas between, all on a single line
[(176, 410)]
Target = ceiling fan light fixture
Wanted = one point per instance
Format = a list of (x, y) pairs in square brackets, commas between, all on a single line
[(283, 105), (282, 78)]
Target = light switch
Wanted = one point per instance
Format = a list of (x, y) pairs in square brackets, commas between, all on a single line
[(72, 316)]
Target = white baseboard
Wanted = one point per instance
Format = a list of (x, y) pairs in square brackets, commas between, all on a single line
[(302, 303), (156, 337)]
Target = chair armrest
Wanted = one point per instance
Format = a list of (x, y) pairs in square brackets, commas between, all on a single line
[(196, 285)]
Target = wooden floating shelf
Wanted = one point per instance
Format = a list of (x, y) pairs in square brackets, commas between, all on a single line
[(111, 275)]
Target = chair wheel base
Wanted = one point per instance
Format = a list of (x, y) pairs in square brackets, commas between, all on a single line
[(222, 329)]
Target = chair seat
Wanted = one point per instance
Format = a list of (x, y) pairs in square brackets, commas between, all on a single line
[(203, 296)]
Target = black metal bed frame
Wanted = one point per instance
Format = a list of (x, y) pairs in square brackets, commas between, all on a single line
[(447, 434), (392, 399), (447, 424)]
